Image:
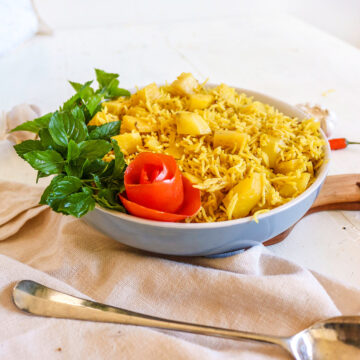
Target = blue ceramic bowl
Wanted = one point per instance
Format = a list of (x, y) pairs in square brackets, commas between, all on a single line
[(206, 239)]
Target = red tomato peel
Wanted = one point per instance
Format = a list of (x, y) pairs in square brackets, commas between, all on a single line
[(190, 206), (155, 182)]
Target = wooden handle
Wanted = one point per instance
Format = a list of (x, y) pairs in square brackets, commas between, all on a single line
[(339, 192)]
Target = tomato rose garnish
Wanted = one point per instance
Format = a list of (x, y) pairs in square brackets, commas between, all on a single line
[(155, 189)]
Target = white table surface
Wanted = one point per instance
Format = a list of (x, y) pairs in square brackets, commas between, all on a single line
[(274, 54)]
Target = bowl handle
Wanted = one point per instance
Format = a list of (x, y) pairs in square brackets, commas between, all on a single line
[(339, 192)]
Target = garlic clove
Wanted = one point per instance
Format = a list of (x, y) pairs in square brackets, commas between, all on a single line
[(327, 118)]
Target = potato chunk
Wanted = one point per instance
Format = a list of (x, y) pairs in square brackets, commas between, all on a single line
[(128, 142), (128, 123), (192, 178), (296, 187), (290, 166), (101, 118), (247, 193), (230, 139), (189, 123), (113, 107), (271, 148), (200, 101), (142, 125), (175, 151), (184, 85), (149, 92)]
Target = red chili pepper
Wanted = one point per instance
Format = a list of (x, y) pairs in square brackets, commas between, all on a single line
[(155, 189), (340, 143)]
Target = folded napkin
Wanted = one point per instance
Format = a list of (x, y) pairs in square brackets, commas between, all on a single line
[(253, 291)]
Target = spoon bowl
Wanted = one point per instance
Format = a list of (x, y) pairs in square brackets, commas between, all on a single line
[(337, 338)]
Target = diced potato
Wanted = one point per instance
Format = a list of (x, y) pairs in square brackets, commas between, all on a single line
[(310, 167), (137, 111), (149, 92), (192, 178), (200, 101), (101, 118), (128, 123), (113, 107), (230, 139), (175, 151), (128, 142), (184, 85), (226, 92), (272, 149), (189, 123), (145, 125), (142, 125), (290, 166), (303, 182), (288, 190), (296, 187), (248, 192), (254, 107)]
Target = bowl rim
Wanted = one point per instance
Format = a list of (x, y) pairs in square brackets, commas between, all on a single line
[(177, 225)]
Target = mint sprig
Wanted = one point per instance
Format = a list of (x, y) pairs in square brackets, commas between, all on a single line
[(73, 151)]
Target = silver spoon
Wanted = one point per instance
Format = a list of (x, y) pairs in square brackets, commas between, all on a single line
[(336, 338)]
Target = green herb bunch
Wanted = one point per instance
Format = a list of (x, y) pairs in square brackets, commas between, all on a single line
[(74, 151)]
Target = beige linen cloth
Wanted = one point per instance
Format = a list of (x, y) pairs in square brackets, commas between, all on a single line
[(253, 291)]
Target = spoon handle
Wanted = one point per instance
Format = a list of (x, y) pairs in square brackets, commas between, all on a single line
[(38, 299)]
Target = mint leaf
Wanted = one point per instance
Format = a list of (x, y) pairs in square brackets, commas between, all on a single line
[(108, 198), (40, 175), (59, 188), (47, 191), (97, 166), (108, 171), (120, 164), (105, 131), (47, 161), (57, 127), (115, 184), (113, 90), (76, 86), (77, 204), (94, 149), (87, 95), (27, 146), (93, 103), (104, 78), (83, 93), (34, 125), (109, 84), (73, 151), (64, 187), (48, 143), (97, 181), (75, 167), (66, 125)]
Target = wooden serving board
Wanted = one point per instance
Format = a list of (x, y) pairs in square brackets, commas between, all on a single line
[(339, 192)]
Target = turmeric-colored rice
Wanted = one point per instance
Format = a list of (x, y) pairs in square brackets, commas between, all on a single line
[(220, 139)]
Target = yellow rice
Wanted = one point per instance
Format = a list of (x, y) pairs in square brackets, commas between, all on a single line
[(216, 170)]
